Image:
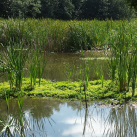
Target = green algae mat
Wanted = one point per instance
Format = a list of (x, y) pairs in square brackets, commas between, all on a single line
[(67, 90)]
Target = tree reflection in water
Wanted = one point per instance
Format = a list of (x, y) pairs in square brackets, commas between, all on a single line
[(47, 117), (37, 112)]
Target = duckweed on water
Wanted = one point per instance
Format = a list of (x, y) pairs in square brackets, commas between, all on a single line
[(67, 90)]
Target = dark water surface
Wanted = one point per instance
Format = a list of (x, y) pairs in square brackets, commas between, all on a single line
[(53, 118), (60, 65), (64, 66)]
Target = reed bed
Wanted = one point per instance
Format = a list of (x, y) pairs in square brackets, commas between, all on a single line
[(37, 36), (64, 35), (124, 57)]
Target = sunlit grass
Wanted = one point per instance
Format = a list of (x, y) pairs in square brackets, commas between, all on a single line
[(70, 90), (65, 35)]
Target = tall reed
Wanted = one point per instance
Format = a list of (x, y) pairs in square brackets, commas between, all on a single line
[(16, 59), (15, 53), (123, 59), (63, 35), (20, 105), (7, 100), (18, 36), (42, 61), (86, 79), (102, 77), (33, 66), (37, 60)]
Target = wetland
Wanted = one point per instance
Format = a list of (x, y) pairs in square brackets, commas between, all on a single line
[(73, 78)]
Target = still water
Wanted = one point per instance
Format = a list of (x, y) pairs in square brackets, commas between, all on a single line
[(53, 118), (64, 66)]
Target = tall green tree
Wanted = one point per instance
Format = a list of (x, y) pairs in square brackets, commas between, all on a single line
[(132, 3), (94, 9), (5, 6), (68, 9), (102, 9), (57, 9), (119, 9), (77, 8), (64, 9), (19, 8), (48, 8), (25, 8)]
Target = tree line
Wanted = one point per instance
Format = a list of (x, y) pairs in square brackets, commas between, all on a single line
[(68, 9)]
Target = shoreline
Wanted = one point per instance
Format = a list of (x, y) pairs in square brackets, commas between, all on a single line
[(68, 90)]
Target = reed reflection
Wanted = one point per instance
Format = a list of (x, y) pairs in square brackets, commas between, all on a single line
[(110, 122), (46, 117), (37, 113)]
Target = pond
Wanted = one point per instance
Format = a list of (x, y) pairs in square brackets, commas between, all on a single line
[(44, 117), (59, 65), (64, 66)]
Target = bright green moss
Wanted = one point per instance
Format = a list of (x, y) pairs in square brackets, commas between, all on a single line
[(67, 90)]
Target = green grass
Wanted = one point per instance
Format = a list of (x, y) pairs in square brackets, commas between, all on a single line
[(123, 58), (68, 90), (58, 35)]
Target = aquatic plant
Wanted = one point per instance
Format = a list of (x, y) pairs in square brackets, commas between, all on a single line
[(17, 50), (41, 54), (33, 66), (78, 37), (13, 60), (102, 77), (122, 63), (7, 126), (7, 100), (37, 63), (20, 105), (63, 35)]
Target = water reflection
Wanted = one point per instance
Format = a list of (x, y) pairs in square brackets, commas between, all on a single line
[(124, 122), (54, 118), (60, 64)]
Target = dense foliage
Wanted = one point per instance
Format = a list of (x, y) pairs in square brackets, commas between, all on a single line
[(67, 9), (58, 35), (132, 3)]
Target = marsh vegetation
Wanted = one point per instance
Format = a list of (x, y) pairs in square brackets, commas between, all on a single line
[(26, 47)]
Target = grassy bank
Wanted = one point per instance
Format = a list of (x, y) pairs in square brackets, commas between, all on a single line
[(68, 90), (60, 35)]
